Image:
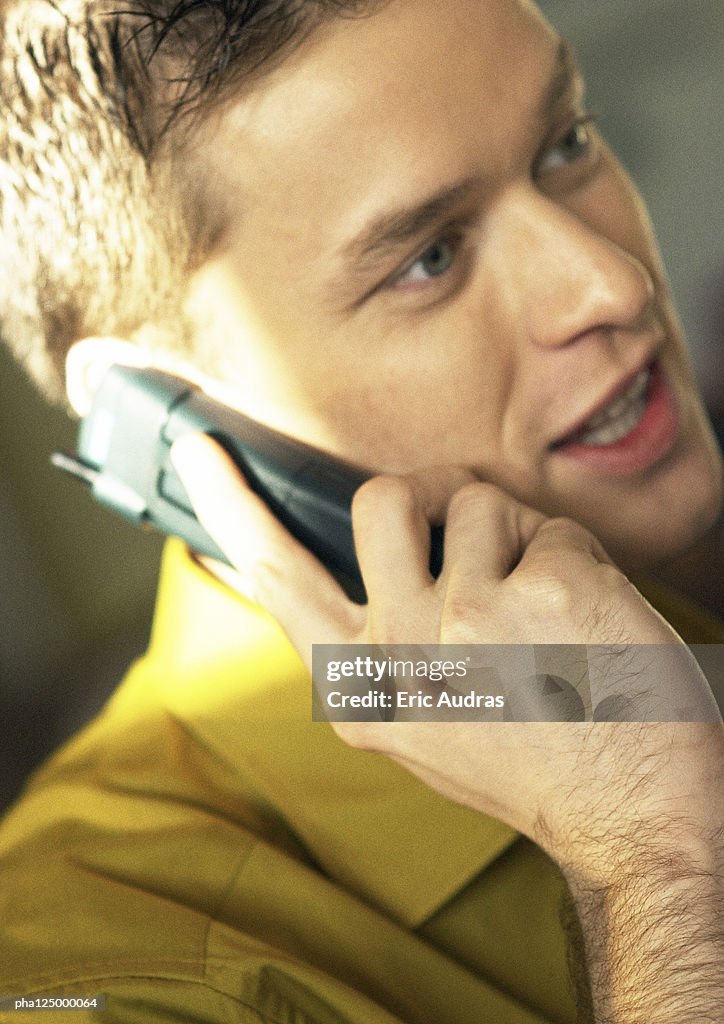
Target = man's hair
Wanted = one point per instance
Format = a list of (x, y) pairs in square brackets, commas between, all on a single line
[(99, 225)]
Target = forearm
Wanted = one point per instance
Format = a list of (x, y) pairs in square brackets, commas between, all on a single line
[(651, 936), (653, 951)]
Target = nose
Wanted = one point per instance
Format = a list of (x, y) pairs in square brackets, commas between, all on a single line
[(573, 278)]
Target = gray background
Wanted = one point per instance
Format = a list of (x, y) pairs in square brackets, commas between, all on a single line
[(76, 585)]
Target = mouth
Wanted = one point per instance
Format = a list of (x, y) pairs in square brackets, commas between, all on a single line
[(616, 419), (634, 430)]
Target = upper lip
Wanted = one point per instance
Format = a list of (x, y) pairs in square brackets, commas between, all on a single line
[(608, 398)]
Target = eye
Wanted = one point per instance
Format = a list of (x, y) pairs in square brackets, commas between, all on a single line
[(576, 145), (436, 261)]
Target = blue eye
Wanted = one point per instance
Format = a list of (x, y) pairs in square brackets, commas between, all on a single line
[(436, 261), (576, 144)]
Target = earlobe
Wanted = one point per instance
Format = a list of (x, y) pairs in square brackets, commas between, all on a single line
[(87, 362)]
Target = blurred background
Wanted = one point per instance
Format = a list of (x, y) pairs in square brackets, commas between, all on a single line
[(77, 585)]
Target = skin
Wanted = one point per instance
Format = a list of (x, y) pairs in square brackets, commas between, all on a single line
[(553, 291), (454, 384)]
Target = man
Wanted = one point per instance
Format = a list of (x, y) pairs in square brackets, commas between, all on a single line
[(392, 230)]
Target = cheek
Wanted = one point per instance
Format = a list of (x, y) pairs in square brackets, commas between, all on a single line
[(395, 400), (385, 387), (418, 392)]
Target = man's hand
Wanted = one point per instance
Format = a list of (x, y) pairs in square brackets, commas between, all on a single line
[(632, 812)]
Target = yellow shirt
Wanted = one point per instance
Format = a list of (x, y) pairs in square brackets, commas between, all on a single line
[(205, 852)]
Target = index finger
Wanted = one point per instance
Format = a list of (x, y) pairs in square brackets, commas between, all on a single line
[(272, 568)]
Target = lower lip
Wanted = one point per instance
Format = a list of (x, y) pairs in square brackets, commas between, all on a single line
[(650, 440)]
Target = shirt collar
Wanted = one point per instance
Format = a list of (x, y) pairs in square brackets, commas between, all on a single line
[(225, 667)]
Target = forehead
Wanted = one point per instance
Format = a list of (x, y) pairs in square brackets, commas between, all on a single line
[(371, 106)]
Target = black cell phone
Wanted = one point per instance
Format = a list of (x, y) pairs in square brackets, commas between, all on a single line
[(124, 456)]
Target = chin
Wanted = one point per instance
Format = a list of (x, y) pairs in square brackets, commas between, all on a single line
[(665, 526)]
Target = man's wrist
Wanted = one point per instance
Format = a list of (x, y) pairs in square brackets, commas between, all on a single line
[(661, 851), (657, 809), (653, 946)]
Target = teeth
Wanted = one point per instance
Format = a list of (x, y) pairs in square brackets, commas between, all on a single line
[(618, 419), (613, 432)]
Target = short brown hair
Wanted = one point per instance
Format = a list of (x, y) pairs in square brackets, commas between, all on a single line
[(93, 102)]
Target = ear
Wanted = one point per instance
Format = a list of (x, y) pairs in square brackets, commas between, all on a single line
[(87, 362)]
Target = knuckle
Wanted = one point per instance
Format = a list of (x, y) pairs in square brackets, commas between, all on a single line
[(547, 589), (459, 631), (266, 579), (463, 617), (565, 527), (474, 497), (586, 605), (568, 533), (549, 583), (379, 490)]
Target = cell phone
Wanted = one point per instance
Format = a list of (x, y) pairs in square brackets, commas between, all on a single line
[(123, 455)]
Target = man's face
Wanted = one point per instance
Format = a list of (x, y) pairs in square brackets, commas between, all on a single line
[(434, 259)]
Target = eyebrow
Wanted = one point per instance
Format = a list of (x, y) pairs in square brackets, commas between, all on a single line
[(386, 233), (391, 230)]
